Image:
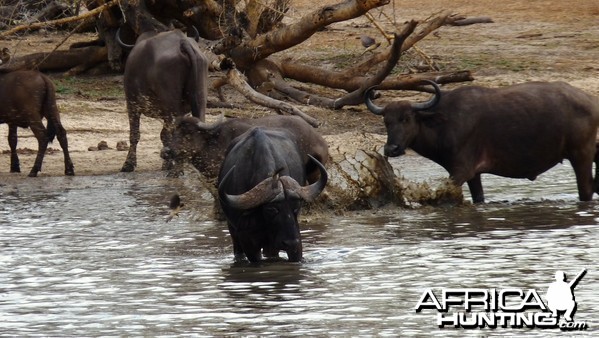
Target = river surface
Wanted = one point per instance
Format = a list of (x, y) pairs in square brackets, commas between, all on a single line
[(93, 256)]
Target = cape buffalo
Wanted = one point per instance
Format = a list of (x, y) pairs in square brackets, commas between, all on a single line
[(518, 131), (260, 193), (204, 145), (27, 97), (166, 74)]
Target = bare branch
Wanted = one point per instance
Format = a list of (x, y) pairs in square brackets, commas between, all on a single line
[(413, 81), (37, 25), (426, 28), (356, 97), (471, 21), (236, 79)]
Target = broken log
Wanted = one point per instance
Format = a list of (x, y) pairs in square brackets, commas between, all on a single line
[(236, 79), (60, 60)]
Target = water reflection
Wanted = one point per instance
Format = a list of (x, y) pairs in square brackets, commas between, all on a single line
[(89, 256)]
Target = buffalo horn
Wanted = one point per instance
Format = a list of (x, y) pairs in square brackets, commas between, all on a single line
[(121, 43), (263, 192), (430, 103), (310, 192), (196, 36), (210, 126), (368, 100)]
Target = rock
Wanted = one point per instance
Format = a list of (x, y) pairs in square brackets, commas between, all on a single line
[(103, 145), (122, 146)]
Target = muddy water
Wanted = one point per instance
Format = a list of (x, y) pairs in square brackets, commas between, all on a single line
[(90, 256)]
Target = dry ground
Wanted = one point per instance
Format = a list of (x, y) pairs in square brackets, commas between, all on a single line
[(529, 40)]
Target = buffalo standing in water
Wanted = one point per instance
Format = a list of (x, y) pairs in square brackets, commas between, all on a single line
[(518, 131), (28, 97), (260, 193)]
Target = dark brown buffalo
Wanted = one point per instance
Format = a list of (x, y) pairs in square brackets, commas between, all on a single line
[(518, 131), (204, 145), (28, 97), (261, 193), (166, 75)]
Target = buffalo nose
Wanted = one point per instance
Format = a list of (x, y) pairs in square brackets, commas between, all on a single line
[(393, 150)]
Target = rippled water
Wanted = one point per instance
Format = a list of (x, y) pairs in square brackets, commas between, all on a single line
[(89, 256)]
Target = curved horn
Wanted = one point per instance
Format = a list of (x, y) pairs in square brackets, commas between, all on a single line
[(430, 103), (307, 193), (120, 42), (371, 106), (263, 192), (196, 36), (210, 126)]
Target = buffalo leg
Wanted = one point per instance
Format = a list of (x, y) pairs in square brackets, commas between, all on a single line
[(596, 160), (42, 144), (131, 161), (15, 166), (166, 136), (237, 250), (295, 255), (61, 134), (476, 189), (583, 168), (253, 256), (252, 250)]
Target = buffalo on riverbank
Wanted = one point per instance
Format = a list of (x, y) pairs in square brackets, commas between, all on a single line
[(27, 98), (166, 75)]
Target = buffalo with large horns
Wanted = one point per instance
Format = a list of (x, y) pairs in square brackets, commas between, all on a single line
[(166, 75), (518, 131), (261, 193)]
